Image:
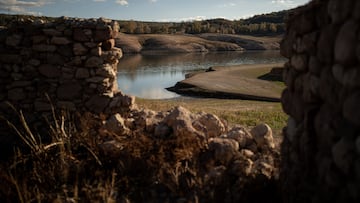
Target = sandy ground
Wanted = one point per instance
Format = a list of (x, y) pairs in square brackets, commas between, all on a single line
[(239, 81)]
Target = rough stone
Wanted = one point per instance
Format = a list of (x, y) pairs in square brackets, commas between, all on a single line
[(13, 40), (97, 103), (52, 32), (342, 153), (69, 91), (350, 108), (299, 62), (326, 42), (82, 73), (66, 105), (16, 94), (345, 49), (102, 35), (79, 49), (116, 124), (213, 126), (60, 41), (94, 62), (80, 36), (224, 149), (44, 48), (108, 44), (263, 136), (339, 10), (241, 135), (41, 106), (49, 71)]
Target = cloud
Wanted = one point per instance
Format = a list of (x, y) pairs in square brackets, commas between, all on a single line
[(153, 1), (122, 2), (99, 0), (227, 5), (287, 3), (16, 6)]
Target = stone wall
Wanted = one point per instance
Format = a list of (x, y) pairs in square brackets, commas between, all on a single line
[(321, 147), (73, 61)]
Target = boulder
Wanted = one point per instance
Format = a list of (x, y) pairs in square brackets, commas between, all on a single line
[(211, 124), (79, 49), (97, 103), (60, 41), (224, 149), (50, 71), (116, 124), (263, 136), (69, 91)]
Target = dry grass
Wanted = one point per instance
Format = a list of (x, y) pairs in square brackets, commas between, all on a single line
[(243, 112)]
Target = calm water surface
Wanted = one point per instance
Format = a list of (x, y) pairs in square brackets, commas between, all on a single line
[(147, 75)]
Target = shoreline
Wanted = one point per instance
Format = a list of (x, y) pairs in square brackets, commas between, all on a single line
[(248, 82)]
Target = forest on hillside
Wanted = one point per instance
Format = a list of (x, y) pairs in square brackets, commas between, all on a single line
[(264, 24)]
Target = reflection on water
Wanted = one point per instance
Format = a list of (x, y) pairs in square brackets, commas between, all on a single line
[(147, 75)]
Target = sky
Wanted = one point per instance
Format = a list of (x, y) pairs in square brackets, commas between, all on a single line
[(148, 10)]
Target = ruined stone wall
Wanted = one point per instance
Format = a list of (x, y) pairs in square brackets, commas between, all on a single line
[(73, 61), (321, 147)]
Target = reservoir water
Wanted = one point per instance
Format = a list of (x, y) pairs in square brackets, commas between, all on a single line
[(147, 75)]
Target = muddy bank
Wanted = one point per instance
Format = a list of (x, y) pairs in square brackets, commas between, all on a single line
[(183, 43), (251, 82)]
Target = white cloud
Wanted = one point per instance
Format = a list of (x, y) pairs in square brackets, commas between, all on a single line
[(227, 5), (16, 6), (187, 19), (153, 1), (99, 0), (122, 2), (287, 3)]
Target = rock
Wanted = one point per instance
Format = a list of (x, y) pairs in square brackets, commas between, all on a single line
[(111, 149), (345, 49), (241, 135), (79, 49), (94, 62), (212, 125), (41, 106), (69, 91), (66, 105), (224, 149), (60, 41), (116, 124), (96, 51), (339, 10), (180, 120), (247, 153), (55, 59), (108, 44), (49, 71), (16, 94), (326, 44), (112, 56), (106, 71), (44, 48), (342, 153), (79, 35), (162, 131), (102, 35), (13, 40), (299, 62), (52, 32), (97, 103), (82, 73), (264, 168), (351, 110), (357, 143), (10, 59), (39, 39), (242, 168), (34, 62), (263, 136)]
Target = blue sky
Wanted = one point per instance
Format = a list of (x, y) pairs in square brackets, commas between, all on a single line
[(148, 10)]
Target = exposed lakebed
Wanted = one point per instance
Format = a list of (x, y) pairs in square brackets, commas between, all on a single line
[(147, 75)]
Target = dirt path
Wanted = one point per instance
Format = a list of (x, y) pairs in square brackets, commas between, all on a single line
[(239, 81)]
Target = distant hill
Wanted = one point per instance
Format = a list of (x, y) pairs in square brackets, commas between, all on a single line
[(264, 24)]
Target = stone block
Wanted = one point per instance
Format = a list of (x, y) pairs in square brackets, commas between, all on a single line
[(50, 71), (69, 91), (97, 103), (79, 49), (345, 48), (82, 73), (60, 41), (44, 48)]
